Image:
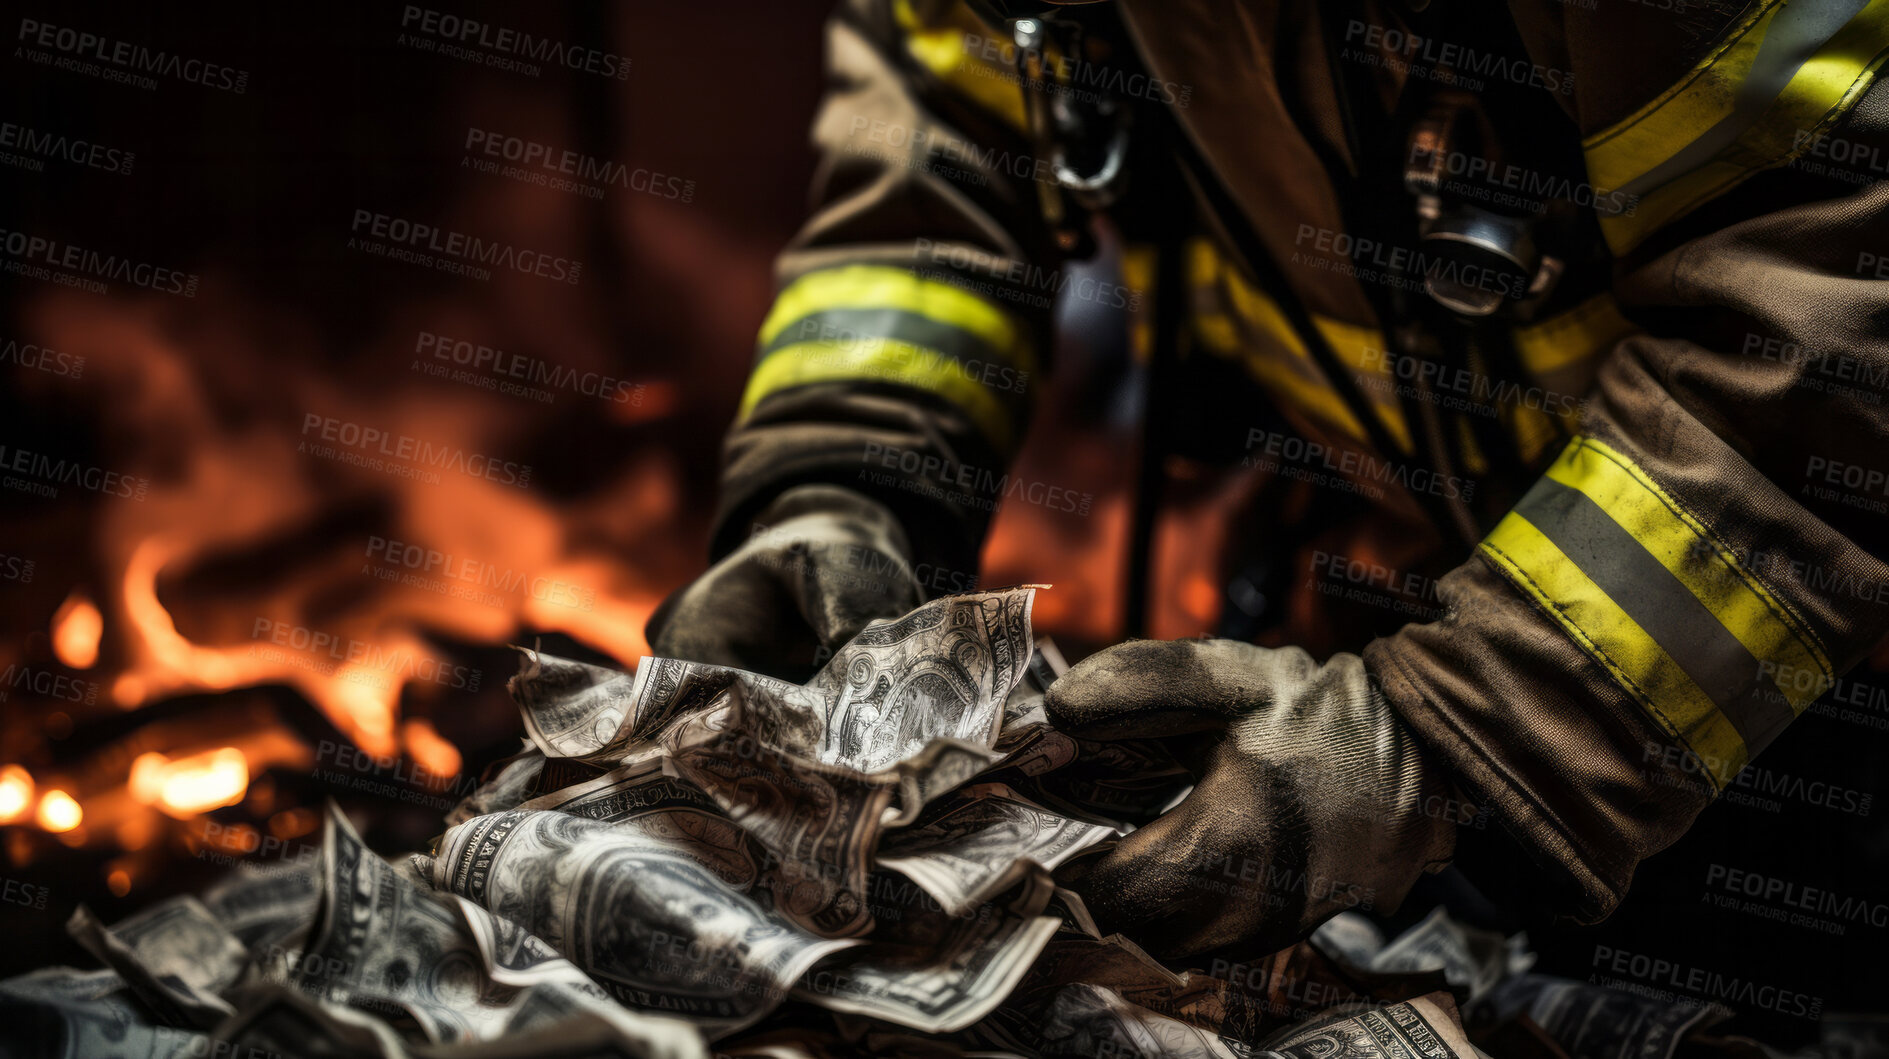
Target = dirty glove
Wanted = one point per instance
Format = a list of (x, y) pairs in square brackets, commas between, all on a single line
[(820, 562), (1310, 794)]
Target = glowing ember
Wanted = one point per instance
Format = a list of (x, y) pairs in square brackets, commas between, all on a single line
[(147, 777), (16, 793), (211, 583), (120, 882), (430, 750), (233, 839), (58, 812), (76, 628), (293, 823), (361, 702), (190, 785)]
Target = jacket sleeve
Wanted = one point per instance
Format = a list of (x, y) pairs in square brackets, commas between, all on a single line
[(1707, 555), (914, 305)]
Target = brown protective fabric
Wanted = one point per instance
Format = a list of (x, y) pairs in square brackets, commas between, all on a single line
[(1753, 307), (1315, 800), (817, 565)]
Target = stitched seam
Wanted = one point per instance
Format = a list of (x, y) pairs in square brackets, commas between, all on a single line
[(1514, 572), (1723, 553), (1569, 838), (1658, 103)]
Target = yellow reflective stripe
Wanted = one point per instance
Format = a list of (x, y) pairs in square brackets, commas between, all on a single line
[(940, 48), (1218, 333), (1563, 352), (1708, 569), (1586, 331), (1605, 632), (1779, 78), (1312, 397), (885, 287), (1138, 270), (900, 363), (1474, 462), (1300, 375), (1535, 430)]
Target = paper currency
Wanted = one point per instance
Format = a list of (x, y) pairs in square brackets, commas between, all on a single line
[(1474, 959), (174, 956), (941, 672), (1594, 1021), (385, 947), (280, 1023), (1349, 937), (641, 796), (858, 866), (648, 923), (266, 906), (944, 670), (1091, 1020), (275, 1020), (570, 708), (934, 970), (818, 822), (511, 781), (62, 1013), (1423, 1028), (982, 843)]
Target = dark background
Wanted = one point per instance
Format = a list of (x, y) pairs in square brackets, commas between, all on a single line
[(240, 532), (206, 397)]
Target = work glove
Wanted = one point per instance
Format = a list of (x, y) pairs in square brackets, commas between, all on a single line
[(1310, 795), (819, 563)]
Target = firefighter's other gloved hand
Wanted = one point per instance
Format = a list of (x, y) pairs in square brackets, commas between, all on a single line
[(1310, 795), (819, 563)]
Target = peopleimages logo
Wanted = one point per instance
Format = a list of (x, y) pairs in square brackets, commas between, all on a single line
[(78, 51), (1374, 261), (42, 257), (38, 144), (373, 447), (1267, 449), (412, 237), (504, 48), (563, 169), (1457, 60), (39, 358), (1700, 983), (963, 483), (517, 374), (1808, 899), (44, 474)]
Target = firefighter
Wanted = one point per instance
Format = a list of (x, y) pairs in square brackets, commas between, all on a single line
[(1577, 305)]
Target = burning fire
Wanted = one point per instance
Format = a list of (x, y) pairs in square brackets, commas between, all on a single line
[(364, 709), (75, 631), (58, 812), (16, 793), (211, 581), (191, 785)]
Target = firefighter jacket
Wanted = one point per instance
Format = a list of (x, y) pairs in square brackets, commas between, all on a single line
[(1693, 550)]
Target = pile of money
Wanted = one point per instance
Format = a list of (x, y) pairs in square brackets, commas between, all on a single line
[(693, 860)]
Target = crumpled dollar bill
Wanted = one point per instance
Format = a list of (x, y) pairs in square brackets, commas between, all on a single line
[(690, 857)]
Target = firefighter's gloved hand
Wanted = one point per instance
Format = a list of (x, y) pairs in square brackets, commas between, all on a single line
[(1310, 794), (821, 561)]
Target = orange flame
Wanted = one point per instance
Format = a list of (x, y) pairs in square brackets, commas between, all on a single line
[(190, 785), (489, 563), (362, 704), (16, 793), (58, 812), (430, 750), (76, 629)]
